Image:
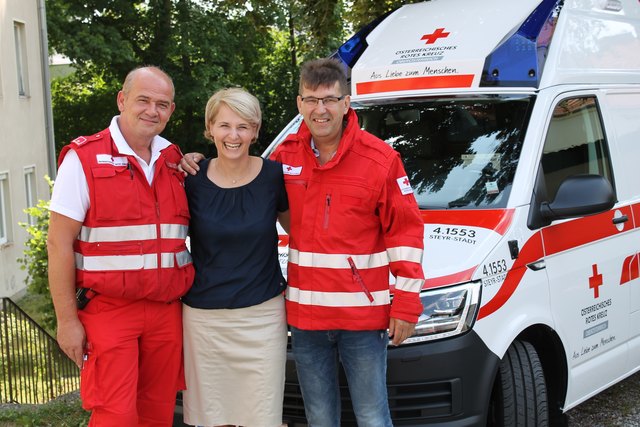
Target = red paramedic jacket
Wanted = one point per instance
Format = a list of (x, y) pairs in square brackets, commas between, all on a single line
[(353, 220), (132, 242)]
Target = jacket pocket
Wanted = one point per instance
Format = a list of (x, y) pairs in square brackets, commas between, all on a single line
[(90, 381), (114, 256), (357, 278), (179, 194), (327, 212), (116, 193)]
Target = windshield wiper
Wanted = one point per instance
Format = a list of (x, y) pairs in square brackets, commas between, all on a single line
[(460, 203)]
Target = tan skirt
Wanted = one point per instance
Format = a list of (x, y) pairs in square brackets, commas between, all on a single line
[(234, 365)]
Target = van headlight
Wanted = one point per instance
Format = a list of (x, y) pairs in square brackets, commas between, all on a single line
[(447, 312)]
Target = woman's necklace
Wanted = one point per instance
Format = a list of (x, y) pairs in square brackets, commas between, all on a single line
[(234, 181)]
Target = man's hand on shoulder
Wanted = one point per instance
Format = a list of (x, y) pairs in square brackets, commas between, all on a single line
[(400, 330), (189, 163)]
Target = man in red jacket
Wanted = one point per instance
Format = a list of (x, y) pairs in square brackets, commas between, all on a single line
[(119, 218), (354, 220)]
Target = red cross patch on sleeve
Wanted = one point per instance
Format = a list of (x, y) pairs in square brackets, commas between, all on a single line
[(79, 140), (405, 185), (291, 170)]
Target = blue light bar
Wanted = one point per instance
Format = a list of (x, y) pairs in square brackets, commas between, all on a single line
[(352, 49), (520, 59)]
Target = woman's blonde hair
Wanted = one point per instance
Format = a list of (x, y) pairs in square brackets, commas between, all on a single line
[(239, 101)]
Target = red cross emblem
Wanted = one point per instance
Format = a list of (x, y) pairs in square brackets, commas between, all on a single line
[(431, 38), (406, 181), (289, 168), (595, 281)]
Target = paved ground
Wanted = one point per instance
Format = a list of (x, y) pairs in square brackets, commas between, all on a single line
[(617, 406)]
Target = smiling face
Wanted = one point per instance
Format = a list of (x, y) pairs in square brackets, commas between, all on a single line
[(145, 104), (232, 134), (324, 123)]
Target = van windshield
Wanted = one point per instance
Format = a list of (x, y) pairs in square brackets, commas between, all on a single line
[(459, 153)]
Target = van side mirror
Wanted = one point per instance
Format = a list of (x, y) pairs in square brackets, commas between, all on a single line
[(579, 195)]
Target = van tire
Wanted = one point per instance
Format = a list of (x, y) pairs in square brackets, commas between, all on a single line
[(519, 396)]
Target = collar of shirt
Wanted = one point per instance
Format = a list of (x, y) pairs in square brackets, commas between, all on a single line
[(316, 152), (157, 144)]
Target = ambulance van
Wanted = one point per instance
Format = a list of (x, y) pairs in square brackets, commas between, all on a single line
[(518, 122)]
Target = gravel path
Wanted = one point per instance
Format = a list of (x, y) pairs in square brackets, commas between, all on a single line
[(617, 406)]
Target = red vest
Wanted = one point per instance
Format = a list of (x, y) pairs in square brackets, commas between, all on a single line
[(132, 241)]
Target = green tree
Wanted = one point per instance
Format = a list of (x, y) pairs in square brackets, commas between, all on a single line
[(83, 103), (35, 260), (362, 12), (204, 45)]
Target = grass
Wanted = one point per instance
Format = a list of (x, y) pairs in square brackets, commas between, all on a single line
[(33, 305), (66, 411)]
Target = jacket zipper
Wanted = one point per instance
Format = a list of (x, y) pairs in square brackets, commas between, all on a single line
[(327, 211), (357, 278)]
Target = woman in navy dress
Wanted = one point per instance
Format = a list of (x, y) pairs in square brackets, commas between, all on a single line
[(235, 331)]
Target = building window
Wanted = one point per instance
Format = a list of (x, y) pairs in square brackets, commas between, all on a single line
[(5, 209), (20, 37), (30, 190)]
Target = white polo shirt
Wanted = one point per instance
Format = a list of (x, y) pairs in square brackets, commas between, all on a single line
[(70, 195)]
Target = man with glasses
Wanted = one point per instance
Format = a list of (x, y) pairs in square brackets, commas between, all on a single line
[(353, 219)]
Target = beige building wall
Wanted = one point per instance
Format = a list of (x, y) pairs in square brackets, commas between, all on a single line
[(24, 130)]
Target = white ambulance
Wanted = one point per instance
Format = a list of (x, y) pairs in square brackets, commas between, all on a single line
[(519, 125)]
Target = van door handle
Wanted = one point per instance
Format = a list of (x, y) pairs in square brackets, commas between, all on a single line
[(537, 265), (620, 219)]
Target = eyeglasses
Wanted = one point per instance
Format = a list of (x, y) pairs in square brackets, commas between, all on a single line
[(327, 101)]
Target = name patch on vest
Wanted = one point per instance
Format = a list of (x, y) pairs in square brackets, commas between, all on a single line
[(291, 170), (107, 159)]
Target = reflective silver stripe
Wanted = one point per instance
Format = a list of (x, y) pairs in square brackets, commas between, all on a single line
[(336, 299), (173, 231), (118, 234), (116, 262), (131, 262), (409, 285), (312, 259), (132, 232), (167, 259), (183, 258), (405, 253)]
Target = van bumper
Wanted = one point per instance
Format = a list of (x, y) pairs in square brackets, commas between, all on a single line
[(445, 382)]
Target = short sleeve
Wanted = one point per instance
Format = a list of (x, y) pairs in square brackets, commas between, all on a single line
[(70, 196)]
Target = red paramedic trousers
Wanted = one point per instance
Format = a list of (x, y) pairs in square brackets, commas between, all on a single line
[(133, 362)]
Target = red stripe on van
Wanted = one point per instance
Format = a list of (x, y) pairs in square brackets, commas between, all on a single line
[(531, 251), (497, 220), (558, 238), (572, 234), (413, 83), (462, 276), (283, 240), (630, 269)]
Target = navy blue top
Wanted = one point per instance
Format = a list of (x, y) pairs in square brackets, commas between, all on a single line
[(234, 240)]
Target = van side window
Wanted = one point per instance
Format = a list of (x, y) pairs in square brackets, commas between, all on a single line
[(575, 143)]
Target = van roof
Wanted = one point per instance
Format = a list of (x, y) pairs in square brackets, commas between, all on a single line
[(469, 46)]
